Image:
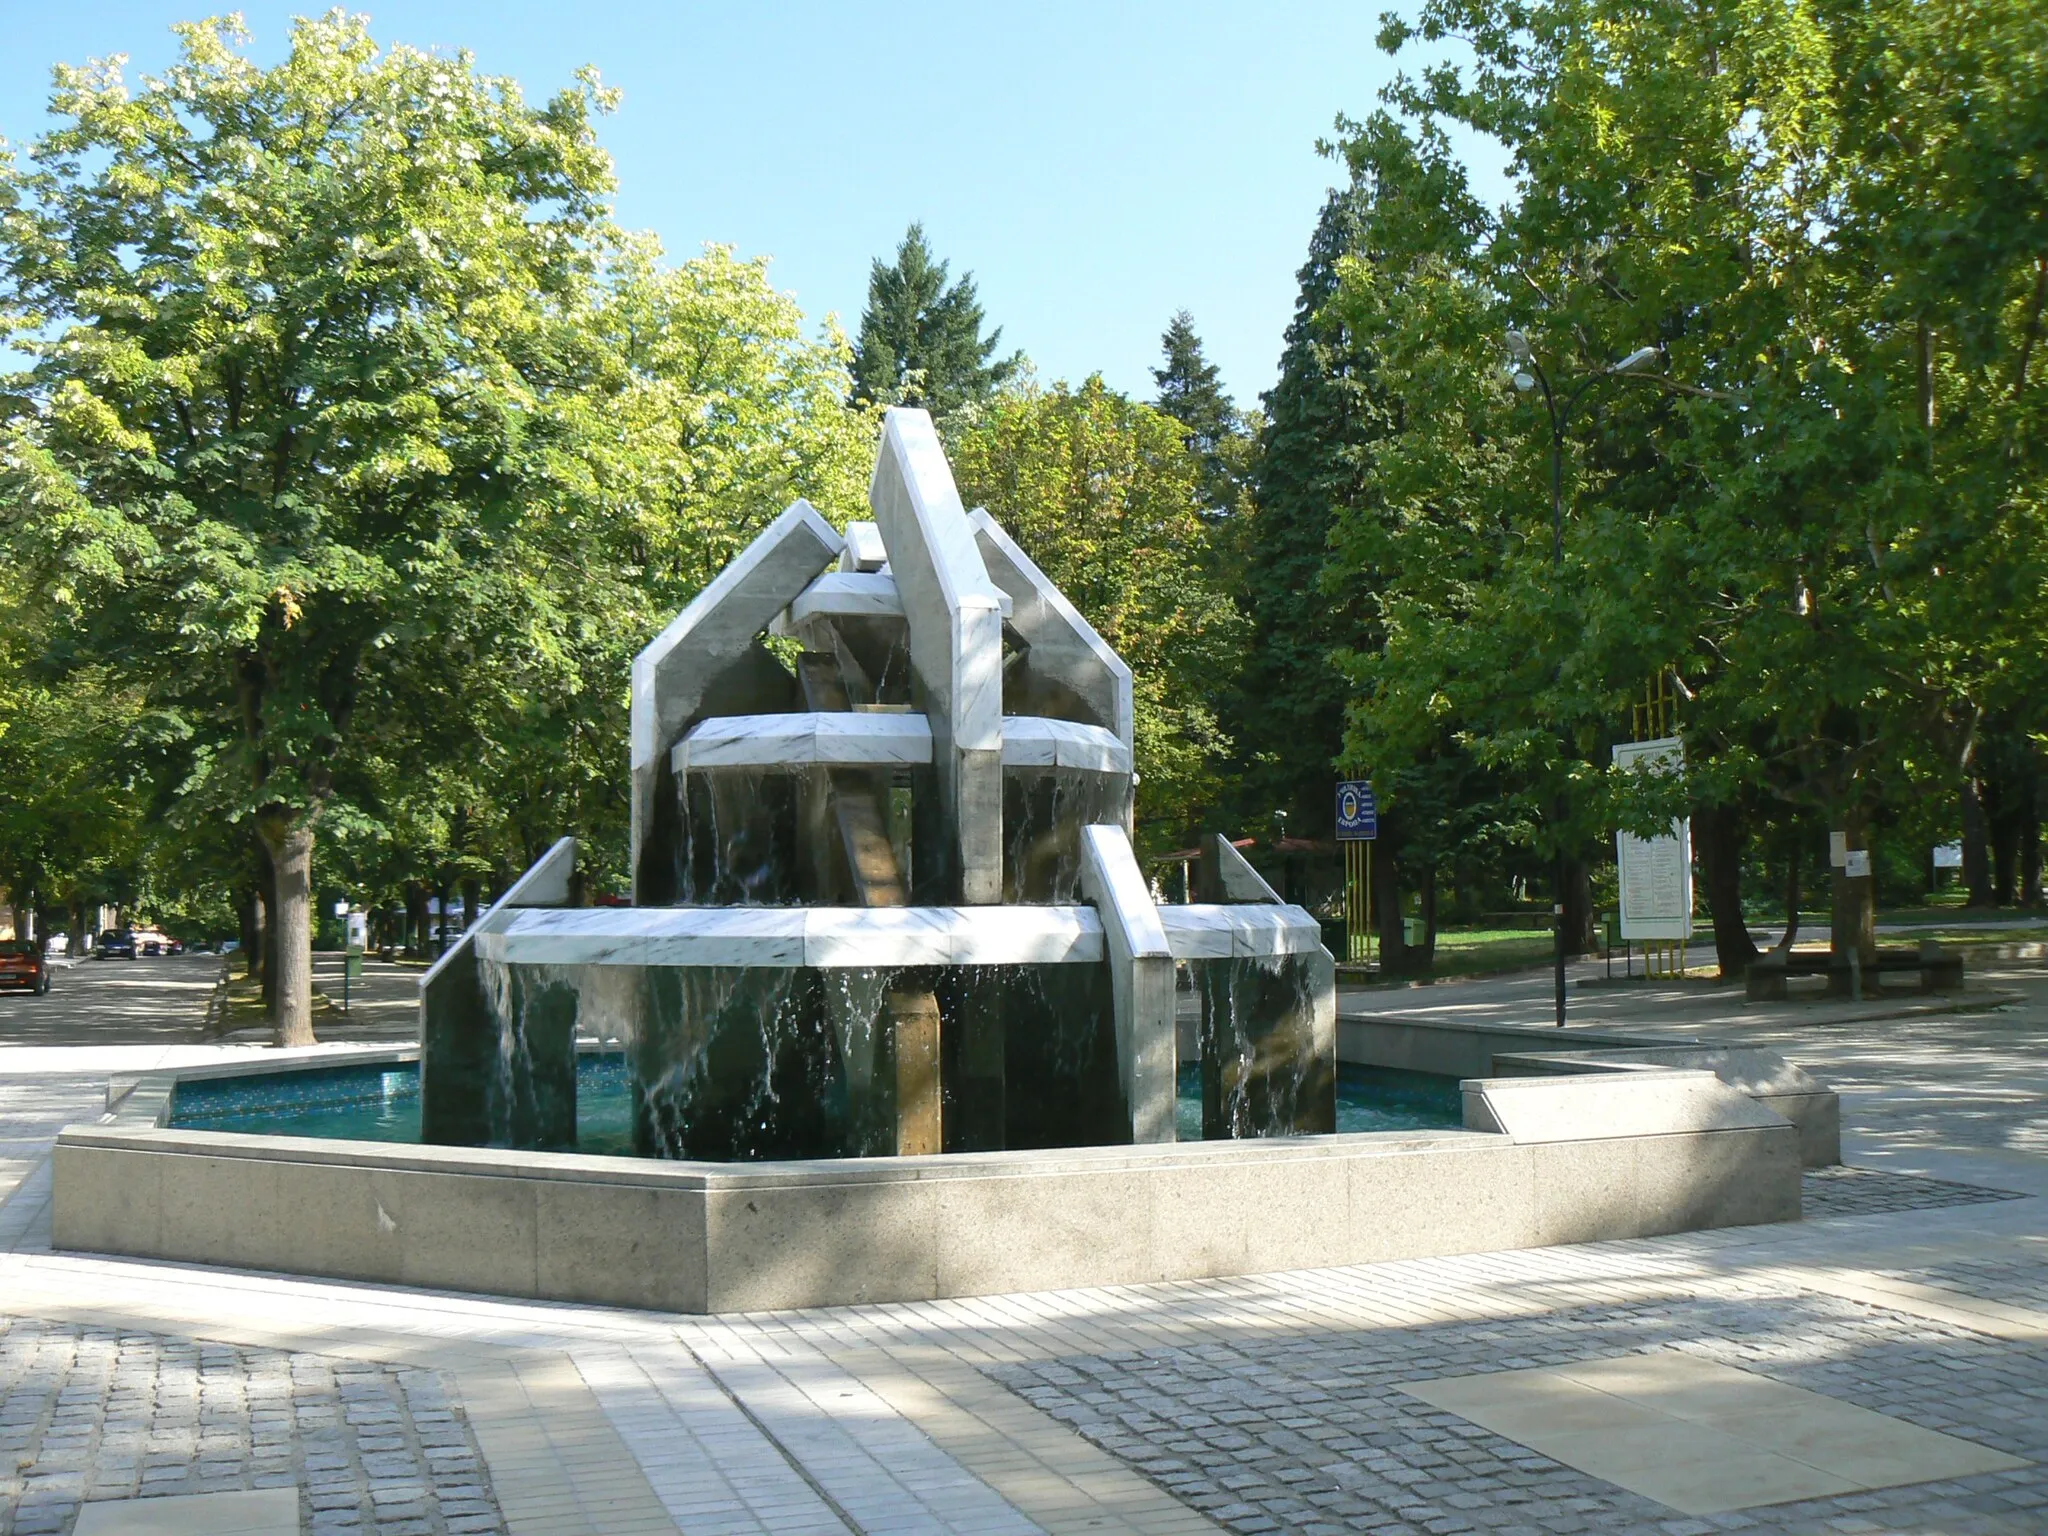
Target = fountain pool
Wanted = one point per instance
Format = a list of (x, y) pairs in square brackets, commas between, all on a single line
[(380, 1101)]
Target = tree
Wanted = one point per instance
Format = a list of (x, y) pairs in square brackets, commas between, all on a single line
[(1288, 714), (1191, 392), (1817, 510), (296, 334), (1101, 492), (920, 340)]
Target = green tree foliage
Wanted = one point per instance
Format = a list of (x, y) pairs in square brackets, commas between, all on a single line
[(1101, 492), (1288, 717), (297, 334), (1191, 392), (920, 338), (1819, 511), (363, 452)]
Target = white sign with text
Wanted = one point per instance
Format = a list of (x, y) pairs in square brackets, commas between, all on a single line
[(1656, 872)]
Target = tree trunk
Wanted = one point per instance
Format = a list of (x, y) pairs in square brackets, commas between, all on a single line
[(1791, 898), (1855, 905), (471, 894), (1976, 847), (1718, 831), (77, 928), (1386, 904), (1427, 958), (290, 842), (258, 953), (415, 919), (269, 936), (247, 905), (1579, 937)]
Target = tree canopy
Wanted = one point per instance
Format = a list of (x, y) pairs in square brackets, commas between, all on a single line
[(921, 339)]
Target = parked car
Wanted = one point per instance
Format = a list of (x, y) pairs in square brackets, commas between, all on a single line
[(117, 942), (57, 944), (22, 965), (174, 946)]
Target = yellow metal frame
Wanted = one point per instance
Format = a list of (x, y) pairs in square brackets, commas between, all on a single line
[(1358, 902)]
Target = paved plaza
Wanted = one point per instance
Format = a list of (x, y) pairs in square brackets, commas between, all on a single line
[(1880, 1366)]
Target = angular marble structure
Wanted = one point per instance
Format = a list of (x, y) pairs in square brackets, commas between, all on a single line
[(884, 895)]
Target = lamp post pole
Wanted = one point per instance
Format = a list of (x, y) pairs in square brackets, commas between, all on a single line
[(1528, 374)]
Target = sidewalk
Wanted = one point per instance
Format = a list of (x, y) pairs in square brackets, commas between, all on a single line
[(1908, 1317)]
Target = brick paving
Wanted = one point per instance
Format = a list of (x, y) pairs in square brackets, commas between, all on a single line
[(101, 1413)]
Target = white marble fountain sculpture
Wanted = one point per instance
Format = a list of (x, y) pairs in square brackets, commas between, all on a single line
[(884, 894)]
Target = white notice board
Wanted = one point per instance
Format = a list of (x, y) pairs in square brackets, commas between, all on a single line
[(1656, 872)]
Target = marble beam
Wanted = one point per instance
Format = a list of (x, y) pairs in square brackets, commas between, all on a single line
[(856, 938), (713, 636), (953, 613), (798, 741), (1063, 644), (1141, 979)]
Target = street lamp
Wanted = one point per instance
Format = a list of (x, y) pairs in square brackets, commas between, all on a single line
[(1527, 374)]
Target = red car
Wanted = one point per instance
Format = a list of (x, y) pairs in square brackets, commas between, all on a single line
[(22, 965)]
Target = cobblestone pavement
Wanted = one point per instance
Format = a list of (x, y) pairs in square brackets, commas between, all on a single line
[(1315, 1436), (101, 1413), (1849, 1191)]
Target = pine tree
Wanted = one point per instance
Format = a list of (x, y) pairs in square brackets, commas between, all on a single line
[(920, 340), (1289, 715), (1191, 391)]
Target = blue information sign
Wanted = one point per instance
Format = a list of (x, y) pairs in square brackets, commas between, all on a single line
[(1358, 814)]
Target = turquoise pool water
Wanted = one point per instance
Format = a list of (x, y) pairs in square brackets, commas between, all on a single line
[(382, 1103)]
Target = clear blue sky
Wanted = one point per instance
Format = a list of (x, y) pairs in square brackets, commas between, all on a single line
[(1096, 165)]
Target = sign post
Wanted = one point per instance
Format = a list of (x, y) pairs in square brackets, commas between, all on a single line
[(352, 957), (1358, 825)]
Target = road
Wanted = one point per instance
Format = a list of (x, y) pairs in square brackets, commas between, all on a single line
[(156, 1000)]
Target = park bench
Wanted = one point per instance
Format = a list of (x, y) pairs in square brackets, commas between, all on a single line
[(1938, 970)]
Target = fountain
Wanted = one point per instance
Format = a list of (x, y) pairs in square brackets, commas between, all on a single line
[(893, 1014), (885, 901)]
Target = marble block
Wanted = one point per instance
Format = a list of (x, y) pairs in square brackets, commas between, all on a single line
[(848, 595), (1610, 1104), (1235, 879), (1030, 741), (713, 635), (843, 938), (863, 740), (1063, 644), (1141, 977), (854, 595), (1203, 932), (864, 549)]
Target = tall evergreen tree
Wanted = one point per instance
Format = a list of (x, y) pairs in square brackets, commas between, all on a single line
[(1289, 716), (920, 339), (1191, 392)]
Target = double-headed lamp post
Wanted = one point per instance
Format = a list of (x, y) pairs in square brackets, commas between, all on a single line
[(1528, 374)]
